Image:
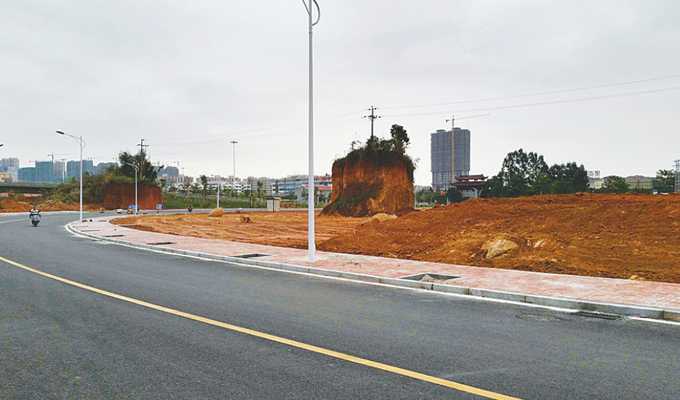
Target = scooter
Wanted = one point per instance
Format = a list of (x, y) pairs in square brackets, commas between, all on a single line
[(35, 219)]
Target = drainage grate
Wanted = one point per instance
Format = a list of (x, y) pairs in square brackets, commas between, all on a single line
[(600, 315), (160, 243), (114, 235), (252, 255), (430, 277)]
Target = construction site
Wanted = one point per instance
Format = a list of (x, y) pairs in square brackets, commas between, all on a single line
[(606, 235)]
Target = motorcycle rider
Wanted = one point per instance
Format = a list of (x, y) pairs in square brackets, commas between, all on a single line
[(34, 211)]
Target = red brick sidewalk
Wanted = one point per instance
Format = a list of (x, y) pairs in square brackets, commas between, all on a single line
[(580, 288)]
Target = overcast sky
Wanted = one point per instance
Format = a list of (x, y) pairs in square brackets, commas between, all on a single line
[(189, 76)]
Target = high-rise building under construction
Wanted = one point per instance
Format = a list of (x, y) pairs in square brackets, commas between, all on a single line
[(449, 156)]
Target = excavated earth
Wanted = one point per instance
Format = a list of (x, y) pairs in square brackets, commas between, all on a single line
[(621, 236)]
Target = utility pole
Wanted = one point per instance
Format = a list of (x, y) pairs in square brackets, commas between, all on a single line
[(142, 146), (453, 122), (372, 117), (453, 149)]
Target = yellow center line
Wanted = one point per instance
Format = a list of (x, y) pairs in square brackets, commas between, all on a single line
[(273, 338)]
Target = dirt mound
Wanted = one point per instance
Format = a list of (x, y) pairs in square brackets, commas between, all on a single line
[(370, 185), (216, 213), (121, 195), (620, 236)]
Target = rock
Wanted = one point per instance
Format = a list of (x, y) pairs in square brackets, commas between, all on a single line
[(379, 217), (498, 247), (539, 243), (246, 219), (216, 213)]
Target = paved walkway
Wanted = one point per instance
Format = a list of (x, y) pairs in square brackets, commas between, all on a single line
[(605, 290)]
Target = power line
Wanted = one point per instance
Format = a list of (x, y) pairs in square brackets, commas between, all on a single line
[(543, 93), (548, 102)]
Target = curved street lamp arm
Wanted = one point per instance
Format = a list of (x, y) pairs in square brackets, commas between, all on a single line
[(309, 10)]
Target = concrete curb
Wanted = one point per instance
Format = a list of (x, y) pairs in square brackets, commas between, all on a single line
[(622, 310)]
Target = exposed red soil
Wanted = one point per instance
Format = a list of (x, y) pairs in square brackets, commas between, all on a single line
[(24, 204), (287, 229), (621, 236)]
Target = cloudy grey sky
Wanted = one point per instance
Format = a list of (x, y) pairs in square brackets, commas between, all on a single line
[(188, 76)]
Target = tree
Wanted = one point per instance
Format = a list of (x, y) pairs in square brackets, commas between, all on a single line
[(400, 138), (664, 181), (454, 195), (614, 184), (523, 174), (204, 184), (568, 178), (147, 172), (260, 189)]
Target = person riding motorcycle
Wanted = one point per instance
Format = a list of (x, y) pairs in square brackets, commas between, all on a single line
[(34, 216)]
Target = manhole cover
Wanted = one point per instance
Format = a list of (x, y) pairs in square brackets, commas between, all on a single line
[(252, 255), (430, 277), (160, 243)]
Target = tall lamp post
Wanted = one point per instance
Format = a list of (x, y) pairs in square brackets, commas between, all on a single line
[(80, 141), (311, 243), (136, 167)]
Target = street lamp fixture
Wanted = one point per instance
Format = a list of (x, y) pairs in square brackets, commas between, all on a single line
[(311, 235), (79, 139)]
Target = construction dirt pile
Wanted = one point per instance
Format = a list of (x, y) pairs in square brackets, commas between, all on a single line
[(22, 204), (367, 186), (620, 236), (287, 228)]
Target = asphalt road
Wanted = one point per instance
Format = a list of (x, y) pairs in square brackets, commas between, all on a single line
[(62, 342)]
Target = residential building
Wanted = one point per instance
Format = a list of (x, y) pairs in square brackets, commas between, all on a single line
[(73, 168), (677, 176), (102, 167), (169, 174), (290, 184), (7, 163), (639, 182), (26, 174), (595, 181), (450, 156)]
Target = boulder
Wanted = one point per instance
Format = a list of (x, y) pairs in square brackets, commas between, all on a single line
[(216, 213), (498, 247)]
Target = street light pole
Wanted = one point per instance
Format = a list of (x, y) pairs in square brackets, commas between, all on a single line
[(311, 234), (80, 142), (136, 167)]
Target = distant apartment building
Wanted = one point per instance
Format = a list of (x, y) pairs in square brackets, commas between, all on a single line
[(10, 169), (102, 167), (639, 182), (170, 175), (291, 184), (450, 156), (677, 176), (73, 168), (7, 163), (26, 174), (595, 181)]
